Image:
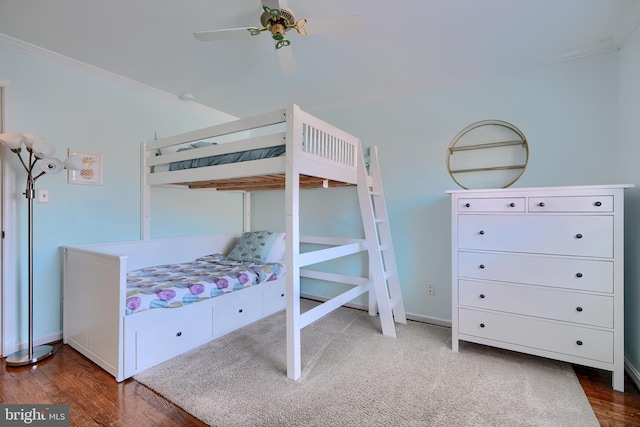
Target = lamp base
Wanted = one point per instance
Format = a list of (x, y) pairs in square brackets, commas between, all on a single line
[(21, 358)]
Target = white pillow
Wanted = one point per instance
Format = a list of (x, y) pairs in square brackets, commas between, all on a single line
[(278, 249)]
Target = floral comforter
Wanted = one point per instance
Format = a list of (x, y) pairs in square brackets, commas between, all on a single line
[(177, 285)]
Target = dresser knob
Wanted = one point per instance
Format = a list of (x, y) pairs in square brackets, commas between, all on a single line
[(481, 232), (481, 295), (240, 311), (481, 266), (579, 342), (578, 308), (467, 205), (512, 205), (598, 204), (578, 236), (482, 325), (578, 274), (179, 334), (541, 204)]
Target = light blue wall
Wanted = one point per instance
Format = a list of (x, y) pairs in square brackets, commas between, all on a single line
[(629, 155), (76, 110)]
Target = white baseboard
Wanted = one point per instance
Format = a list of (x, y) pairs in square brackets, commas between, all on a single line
[(40, 341), (410, 316), (632, 372)]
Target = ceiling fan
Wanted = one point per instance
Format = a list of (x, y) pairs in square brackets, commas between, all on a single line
[(278, 19)]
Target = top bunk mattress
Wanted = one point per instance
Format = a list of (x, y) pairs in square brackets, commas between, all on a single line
[(250, 154)]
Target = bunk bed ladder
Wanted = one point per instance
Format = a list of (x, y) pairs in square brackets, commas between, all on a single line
[(386, 297)]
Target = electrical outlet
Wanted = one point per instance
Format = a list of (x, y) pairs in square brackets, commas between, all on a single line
[(430, 288), (43, 195)]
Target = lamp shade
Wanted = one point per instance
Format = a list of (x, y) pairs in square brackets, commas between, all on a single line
[(11, 140), (42, 149), (73, 162), (50, 165), (30, 138)]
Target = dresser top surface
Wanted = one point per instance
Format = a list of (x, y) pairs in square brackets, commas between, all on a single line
[(559, 189)]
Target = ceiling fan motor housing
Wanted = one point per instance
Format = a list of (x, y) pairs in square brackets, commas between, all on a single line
[(278, 25)]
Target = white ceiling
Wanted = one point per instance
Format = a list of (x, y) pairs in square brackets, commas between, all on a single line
[(407, 46)]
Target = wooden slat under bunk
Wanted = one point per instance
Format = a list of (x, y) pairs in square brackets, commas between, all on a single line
[(265, 182)]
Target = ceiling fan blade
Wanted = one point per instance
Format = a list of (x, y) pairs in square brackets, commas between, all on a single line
[(286, 60), (206, 36), (340, 25)]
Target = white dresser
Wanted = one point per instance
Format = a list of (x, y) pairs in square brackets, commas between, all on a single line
[(540, 271)]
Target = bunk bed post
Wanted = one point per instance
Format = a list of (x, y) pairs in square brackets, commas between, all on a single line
[(145, 195), (246, 210), (292, 219)]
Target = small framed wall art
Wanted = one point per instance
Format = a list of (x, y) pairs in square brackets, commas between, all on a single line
[(91, 172)]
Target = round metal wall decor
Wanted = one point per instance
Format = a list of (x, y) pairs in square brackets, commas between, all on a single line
[(487, 154)]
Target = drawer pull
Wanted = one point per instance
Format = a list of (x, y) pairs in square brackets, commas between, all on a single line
[(482, 296), (179, 334), (541, 204), (240, 311), (578, 308), (512, 205), (579, 342), (578, 275), (598, 204), (481, 232), (578, 236), (482, 325), (467, 205), (281, 295), (481, 266)]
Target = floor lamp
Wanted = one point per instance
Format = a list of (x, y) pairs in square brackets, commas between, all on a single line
[(37, 163)]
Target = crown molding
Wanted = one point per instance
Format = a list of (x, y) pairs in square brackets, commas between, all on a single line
[(58, 59), (628, 26)]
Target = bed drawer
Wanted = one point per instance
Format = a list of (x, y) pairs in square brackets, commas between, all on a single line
[(586, 235), (575, 307), (569, 273), (274, 297), (154, 336), (578, 341), (236, 309)]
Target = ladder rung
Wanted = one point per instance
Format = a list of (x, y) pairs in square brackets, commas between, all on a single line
[(375, 193), (395, 301), (389, 274), (384, 248)]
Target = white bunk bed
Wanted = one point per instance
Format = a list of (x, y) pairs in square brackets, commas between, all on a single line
[(316, 155)]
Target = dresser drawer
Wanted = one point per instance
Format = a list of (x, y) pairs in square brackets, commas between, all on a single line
[(236, 309), (584, 235), (579, 341), (571, 204), (498, 204), (569, 273), (586, 309)]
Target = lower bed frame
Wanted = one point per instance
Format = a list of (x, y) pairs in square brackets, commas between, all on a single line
[(94, 280)]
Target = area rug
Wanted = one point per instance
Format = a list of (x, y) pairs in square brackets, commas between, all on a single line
[(355, 376)]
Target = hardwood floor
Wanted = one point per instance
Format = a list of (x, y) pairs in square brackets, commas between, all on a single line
[(612, 408), (96, 399)]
